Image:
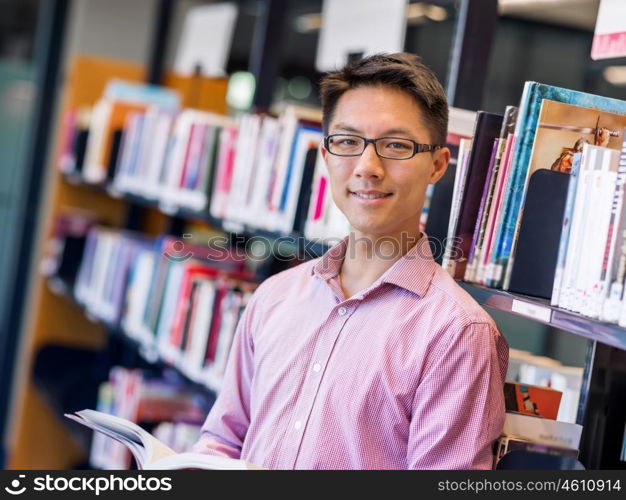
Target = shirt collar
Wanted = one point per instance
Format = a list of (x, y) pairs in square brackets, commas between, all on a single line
[(413, 271)]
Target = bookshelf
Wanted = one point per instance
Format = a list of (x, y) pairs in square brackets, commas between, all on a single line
[(313, 248), (39, 439), (540, 310)]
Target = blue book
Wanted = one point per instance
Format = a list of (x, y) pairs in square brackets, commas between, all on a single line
[(530, 106)]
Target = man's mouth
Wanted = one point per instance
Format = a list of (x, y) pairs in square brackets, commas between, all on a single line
[(370, 196)]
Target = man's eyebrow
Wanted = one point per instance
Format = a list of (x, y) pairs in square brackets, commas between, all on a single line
[(386, 133)]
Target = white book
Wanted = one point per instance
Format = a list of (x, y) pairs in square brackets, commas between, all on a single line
[(230, 319), (170, 300), (565, 230), (617, 267), (138, 294), (589, 241), (465, 147), (325, 222), (574, 247), (244, 167), (288, 125), (176, 154), (603, 236), (92, 171), (305, 138), (258, 212), (104, 249), (199, 329), (149, 452), (542, 430), (122, 182), (158, 153), (223, 178), (81, 289)]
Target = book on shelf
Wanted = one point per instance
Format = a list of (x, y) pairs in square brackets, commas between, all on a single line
[(149, 452), (181, 304), (490, 200), (542, 430), (64, 249), (531, 416), (526, 129), (541, 371), (470, 188), (107, 120), (439, 196), (532, 400), (249, 172), (581, 265), (506, 444)]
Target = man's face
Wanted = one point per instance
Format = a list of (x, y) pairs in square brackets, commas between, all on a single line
[(376, 112)]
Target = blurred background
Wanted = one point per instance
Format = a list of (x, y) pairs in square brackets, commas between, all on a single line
[(53, 357)]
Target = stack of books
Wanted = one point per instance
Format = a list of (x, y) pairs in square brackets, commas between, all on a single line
[(180, 302), (507, 177), (531, 424), (253, 172)]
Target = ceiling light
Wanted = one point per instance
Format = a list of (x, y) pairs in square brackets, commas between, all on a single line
[(615, 75)]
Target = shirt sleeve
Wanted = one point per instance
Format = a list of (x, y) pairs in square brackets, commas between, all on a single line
[(226, 425), (458, 409)]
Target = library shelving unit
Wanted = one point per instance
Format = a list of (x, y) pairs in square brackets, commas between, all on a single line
[(39, 437), (601, 409)]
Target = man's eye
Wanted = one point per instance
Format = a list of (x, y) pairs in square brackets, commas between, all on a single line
[(347, 142), (400, 146)]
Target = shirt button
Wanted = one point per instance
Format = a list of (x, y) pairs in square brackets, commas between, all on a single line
[(297, 425), (342, 311), (317, 367)]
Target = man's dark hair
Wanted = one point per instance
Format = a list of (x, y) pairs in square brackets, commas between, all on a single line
[(401, 71)]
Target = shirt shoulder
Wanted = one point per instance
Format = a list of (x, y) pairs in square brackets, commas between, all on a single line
[(458, 303), (279, 283)]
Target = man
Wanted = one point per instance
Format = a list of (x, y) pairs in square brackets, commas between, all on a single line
[(370, 357)]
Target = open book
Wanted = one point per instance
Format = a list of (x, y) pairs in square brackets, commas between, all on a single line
[(149, 452)]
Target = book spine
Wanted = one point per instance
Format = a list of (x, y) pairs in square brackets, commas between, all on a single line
[(615, 278), (565, 232), (483, 211)]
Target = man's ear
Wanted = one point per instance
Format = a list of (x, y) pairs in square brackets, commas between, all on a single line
[(323, 151), (441, 158)]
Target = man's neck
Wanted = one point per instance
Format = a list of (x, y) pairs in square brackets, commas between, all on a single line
[(368, 257)]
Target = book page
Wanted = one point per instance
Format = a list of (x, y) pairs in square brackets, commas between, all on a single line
[(200, 461)]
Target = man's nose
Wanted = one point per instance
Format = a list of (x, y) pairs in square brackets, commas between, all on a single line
[(369, 163)]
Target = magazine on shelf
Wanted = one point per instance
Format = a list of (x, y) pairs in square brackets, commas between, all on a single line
[(148, 451)]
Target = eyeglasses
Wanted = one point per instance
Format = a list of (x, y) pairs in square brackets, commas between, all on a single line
[(393, 148)]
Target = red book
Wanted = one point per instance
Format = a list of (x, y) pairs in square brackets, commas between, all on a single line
[(216, 322), (532, 400), (192, 272)]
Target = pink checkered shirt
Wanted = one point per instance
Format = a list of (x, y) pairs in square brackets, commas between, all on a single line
[(408, 373)]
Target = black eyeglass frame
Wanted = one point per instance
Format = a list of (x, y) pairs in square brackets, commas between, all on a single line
[(417, 147)]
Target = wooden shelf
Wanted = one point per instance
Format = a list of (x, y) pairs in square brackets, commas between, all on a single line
[(540, 310)]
